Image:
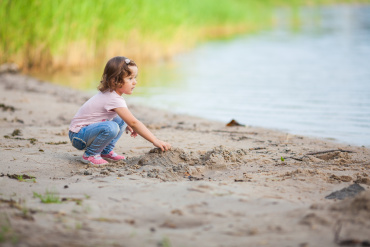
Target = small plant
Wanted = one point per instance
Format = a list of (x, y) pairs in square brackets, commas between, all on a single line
[(16, 132), (78, 225), (25, 211), (49, 197), (20, 178), (3, 233), (282, 159), (25, 178), (165, 242), (7, 233)]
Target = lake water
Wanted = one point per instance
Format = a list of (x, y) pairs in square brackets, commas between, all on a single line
[(313, 81), (310, 78)]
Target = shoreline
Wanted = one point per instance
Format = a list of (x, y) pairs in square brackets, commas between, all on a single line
[(218, 186)]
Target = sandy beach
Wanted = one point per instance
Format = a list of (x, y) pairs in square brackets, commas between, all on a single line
[(218, 186)]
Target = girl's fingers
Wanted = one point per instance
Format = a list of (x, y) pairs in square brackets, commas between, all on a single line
[(164, 146), (167, 146)]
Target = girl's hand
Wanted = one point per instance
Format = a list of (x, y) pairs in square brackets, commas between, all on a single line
[(129, 129), (164, 146)]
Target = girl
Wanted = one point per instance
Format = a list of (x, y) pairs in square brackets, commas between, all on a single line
[(100, 122)]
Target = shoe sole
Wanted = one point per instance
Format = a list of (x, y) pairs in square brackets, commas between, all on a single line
[(113, 160), (90, 163)]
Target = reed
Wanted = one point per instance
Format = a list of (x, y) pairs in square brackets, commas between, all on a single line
[(39, 34)]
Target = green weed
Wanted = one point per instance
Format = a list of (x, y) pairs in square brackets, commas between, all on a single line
[(6, 232), (165, 242), (78, 225), (20, 178), (49, 197), (3, 232)]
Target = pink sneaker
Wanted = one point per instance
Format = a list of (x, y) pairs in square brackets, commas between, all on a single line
[(113, 156), (94, 160)]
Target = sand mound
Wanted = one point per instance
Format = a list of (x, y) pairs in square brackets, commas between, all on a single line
[(156, 157), (221, 157), (177, 164), (332, 156), (172, 165)]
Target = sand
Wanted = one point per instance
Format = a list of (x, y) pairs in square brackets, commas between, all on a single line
[(218, 186)]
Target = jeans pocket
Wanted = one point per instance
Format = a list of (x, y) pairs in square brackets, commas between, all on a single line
[(78, 143)]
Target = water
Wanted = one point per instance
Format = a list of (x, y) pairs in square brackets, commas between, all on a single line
[(314, 81)]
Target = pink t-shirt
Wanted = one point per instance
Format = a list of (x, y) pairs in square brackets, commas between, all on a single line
[(97, 109)]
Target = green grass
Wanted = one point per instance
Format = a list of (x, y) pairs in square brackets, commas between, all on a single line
[(7, 233), (66, 33), (165, 242), (48, 197), (20, 178)]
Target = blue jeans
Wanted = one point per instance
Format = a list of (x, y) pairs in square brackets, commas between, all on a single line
[(98, 138)]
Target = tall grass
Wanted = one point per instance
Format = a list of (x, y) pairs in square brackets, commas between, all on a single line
[(49, 34)]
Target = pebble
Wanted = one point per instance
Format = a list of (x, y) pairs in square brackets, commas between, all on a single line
[(87, 172)]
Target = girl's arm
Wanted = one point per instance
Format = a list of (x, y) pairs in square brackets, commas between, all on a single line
[(140, 128)]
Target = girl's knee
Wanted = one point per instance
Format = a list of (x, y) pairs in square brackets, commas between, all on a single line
[(112, 128), (119, 121)]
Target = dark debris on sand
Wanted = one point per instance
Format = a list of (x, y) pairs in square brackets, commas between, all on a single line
[(349, 191)]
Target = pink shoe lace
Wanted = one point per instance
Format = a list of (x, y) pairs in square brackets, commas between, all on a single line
[(94, 160), (113, 156)]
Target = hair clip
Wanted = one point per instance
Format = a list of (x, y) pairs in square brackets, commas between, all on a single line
[(127, 61)]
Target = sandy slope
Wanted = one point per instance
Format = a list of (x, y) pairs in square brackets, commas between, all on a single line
[(218, 186)]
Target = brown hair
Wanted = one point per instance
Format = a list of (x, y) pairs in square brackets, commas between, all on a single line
[(115, 71)]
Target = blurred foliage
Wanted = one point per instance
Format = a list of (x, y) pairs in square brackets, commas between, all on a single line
[(49, 34)]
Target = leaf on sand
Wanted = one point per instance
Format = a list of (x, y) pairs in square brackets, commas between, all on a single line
[(234, 123)]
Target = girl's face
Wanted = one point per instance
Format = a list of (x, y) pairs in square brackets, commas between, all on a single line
[(129, 82)]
